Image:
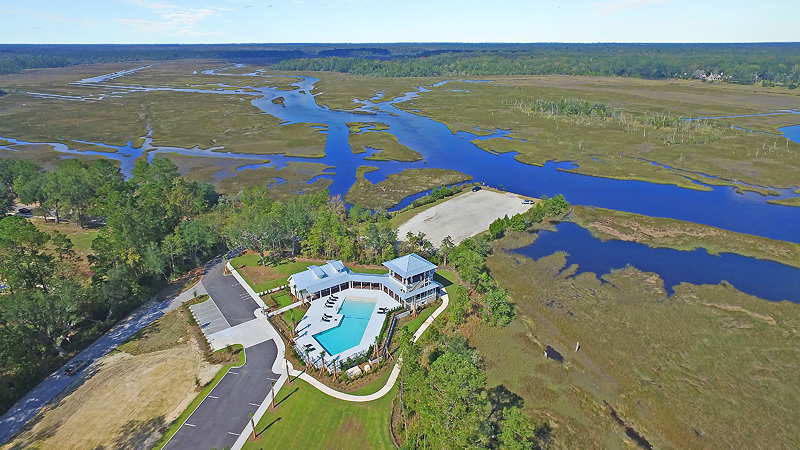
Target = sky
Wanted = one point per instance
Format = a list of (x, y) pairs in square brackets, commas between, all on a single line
[(381, 21)]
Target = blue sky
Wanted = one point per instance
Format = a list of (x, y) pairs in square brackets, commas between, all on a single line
[(246, 21)]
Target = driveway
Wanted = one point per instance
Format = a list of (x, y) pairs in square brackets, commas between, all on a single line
[(230, 297), (222, 416)]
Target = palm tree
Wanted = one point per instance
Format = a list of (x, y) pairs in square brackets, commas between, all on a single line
[(308, 352), (322, 355)]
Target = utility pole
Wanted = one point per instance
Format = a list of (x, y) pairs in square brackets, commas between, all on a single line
[(272, 390), (253, 424)]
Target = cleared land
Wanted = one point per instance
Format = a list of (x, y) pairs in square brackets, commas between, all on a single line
[(398, 186), (707, 367), (130, 396), (660, 232), (463, 216)]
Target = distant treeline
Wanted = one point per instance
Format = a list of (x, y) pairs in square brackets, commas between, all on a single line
[(770, 63), (739, 63)]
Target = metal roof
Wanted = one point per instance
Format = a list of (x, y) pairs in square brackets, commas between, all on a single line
[(409, 265)]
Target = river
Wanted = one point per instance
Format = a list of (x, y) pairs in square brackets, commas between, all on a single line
[(721, 207)]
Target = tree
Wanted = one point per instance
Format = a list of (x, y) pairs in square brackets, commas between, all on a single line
[(63, 246), (197, 237), (445, 248), (517, 432), (23, 260), (453, 413), (498, 311), (49, 315), (459, 302)]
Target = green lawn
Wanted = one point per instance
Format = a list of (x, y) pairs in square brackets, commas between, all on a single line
[(306, 418), (282, 271), (376, 385)]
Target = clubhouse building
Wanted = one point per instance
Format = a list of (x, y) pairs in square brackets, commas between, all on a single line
[(409, 281)]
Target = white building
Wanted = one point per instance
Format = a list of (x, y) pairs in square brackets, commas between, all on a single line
[(409, 281)]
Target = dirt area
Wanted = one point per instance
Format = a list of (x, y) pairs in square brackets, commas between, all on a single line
[(463, 216), (124, 402)]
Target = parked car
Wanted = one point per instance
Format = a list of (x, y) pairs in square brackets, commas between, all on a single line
[(75, 367), (476, 189), (527, 201), (25, 211)]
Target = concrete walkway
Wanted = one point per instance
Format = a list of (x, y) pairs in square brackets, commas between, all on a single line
[(248, 334), (285, 308), (392, 377), (56, 383)]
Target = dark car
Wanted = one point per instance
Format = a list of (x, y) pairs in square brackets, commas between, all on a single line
[(476, 189), (25, 211), (75, 367)]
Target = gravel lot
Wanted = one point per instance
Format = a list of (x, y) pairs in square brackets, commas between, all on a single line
[(463, 216)]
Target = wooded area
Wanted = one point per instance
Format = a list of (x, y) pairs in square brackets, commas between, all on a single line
[(768, 63)]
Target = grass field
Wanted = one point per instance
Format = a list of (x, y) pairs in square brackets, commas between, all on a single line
[(307, 418), (708, 367), (660, 232), (130, 396), (396, 187)]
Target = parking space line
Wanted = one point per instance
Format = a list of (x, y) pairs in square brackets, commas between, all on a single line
[(234, 373), (212, 396), (254, 404), (189, 425), (235, 434)]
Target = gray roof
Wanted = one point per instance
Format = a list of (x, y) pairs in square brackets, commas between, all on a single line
[(409, 265), (320, 277)]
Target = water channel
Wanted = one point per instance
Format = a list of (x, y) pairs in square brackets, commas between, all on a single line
[(721, 207)]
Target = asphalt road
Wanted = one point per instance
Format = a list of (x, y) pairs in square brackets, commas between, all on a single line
[(235, 303), (226, 410)]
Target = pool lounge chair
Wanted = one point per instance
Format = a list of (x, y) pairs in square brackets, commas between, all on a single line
[(326, 319)]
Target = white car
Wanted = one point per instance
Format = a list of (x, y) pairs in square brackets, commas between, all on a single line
[(527, 201)]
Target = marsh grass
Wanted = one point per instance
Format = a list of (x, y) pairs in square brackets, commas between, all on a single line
[(389, 148), (708, 366), (396, 187)]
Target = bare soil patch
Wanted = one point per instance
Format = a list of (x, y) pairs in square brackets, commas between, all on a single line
[(463, 216), (126, 400)]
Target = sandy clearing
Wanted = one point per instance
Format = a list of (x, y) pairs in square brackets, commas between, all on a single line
[(124, 404), (463, 216)]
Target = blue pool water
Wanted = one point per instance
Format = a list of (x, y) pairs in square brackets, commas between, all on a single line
[(351, 328)]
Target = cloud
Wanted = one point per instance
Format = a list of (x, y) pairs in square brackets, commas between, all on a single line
[(618, 6), (174, 20)]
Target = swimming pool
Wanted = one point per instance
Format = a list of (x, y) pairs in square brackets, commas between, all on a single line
[(350, 330)]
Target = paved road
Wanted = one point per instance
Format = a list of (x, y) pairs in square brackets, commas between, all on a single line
[(56, 383), (235, 303), (225, 412), (218, 421)]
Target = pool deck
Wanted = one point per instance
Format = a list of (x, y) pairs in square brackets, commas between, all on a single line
[(312, 322)]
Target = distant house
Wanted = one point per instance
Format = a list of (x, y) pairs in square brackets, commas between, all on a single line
[(714, 77), (409, 281)]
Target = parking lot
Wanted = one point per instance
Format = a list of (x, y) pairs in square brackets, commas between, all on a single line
[(209, 317)]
